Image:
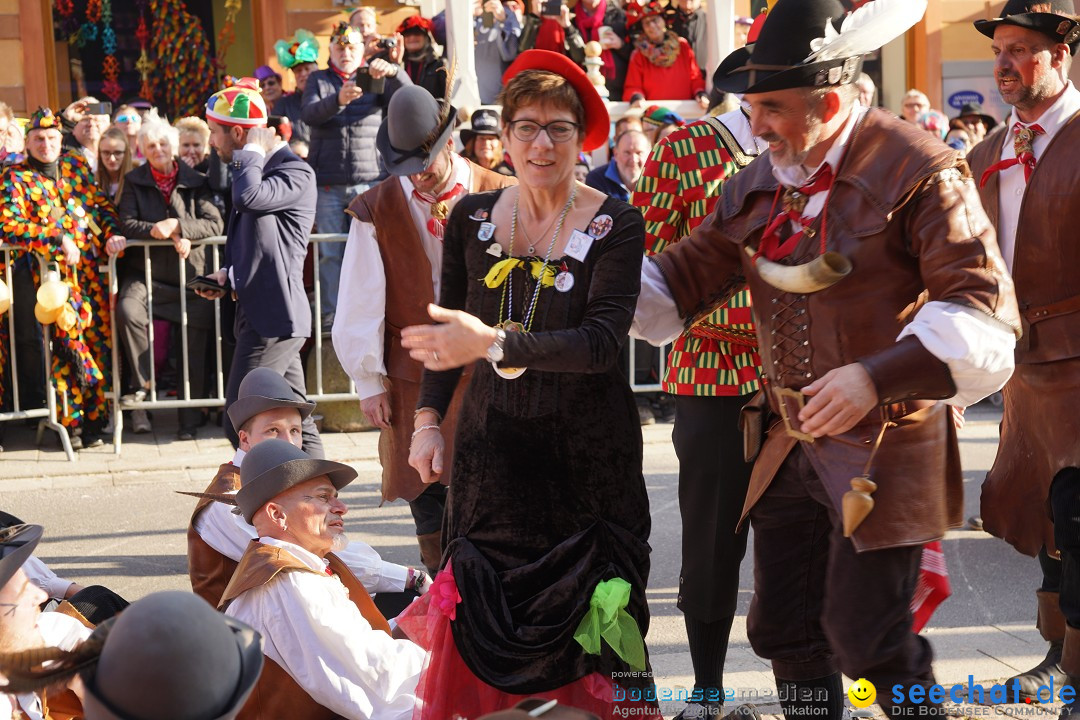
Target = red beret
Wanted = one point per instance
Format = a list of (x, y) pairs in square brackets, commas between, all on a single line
[(597, 120)]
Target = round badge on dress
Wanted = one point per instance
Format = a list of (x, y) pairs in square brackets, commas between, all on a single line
[(564, 281), (495, 249), (486, 231), (600, 226)]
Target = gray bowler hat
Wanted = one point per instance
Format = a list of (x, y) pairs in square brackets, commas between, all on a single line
[(416, 128), (172, 655), (17, 542), (273, 466), (264, 389)]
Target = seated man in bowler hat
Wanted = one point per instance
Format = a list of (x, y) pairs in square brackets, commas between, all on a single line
[(23, 626), (329, 651), (267, 408), (200, 665)]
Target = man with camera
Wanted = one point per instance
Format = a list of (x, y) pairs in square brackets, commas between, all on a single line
[(343, 106)]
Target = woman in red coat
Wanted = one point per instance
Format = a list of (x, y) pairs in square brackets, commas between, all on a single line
[(662, 66)]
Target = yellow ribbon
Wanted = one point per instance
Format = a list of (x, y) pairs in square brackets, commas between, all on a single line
[(501, 270)]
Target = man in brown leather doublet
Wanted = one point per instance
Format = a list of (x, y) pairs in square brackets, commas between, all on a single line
[(390, 272), (1029, 173), (876, 294)]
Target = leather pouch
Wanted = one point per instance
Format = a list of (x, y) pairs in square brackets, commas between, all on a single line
[(752, 419)]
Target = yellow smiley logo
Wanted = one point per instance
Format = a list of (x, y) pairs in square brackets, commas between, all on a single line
[(862, 693)]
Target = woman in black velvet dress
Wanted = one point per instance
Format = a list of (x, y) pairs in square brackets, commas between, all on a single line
[(547, 511)]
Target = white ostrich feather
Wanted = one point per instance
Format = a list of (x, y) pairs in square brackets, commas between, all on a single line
[(872, 26)]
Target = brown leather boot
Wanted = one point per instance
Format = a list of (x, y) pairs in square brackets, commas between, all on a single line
[(1070, 664), (431, 551), (1051, 625)]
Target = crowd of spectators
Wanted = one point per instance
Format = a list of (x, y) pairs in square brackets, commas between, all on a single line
[(168, 185)]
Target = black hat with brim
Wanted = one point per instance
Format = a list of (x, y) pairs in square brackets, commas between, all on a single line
[(415, 130), (777, 59), (172, 650), (482, 122), (17, 542), (974, 109), (274, 466), (1061, 24)]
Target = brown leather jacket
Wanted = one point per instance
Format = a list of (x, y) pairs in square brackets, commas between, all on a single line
[(208, 569), (1046, 250), (905, 211)]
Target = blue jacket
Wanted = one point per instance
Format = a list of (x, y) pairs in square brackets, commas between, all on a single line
[(342, 145), (606, 179), (272, 216)]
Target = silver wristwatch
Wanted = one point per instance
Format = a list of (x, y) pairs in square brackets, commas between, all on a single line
[(495, 352)]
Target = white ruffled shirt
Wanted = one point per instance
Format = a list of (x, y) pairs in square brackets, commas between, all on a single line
[(230, 535), (316, 634), (977, 348), (359, 333)]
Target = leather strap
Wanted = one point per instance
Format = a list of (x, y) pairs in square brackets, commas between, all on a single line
[(1045, 312)]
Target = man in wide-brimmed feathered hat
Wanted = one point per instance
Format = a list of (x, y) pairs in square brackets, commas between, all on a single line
[(876, 296)]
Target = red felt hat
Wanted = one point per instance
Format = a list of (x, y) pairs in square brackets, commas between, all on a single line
[(597, 120)]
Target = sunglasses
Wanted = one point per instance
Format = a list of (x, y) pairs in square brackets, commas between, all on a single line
[(126, 118)]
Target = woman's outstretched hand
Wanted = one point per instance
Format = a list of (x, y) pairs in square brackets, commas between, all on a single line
[(457, 340)]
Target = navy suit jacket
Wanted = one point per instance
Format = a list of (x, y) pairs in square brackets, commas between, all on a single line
[(273, 213)]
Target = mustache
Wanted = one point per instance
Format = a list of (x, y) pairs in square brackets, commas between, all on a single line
[(771, 138), (1008, 76)]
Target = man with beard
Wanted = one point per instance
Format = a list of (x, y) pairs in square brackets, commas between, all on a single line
[(1030, 186), (273, 193), (392, 270), (815, 229), (328, 649)]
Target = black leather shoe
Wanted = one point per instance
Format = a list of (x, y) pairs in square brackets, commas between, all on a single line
[(1049, 670)]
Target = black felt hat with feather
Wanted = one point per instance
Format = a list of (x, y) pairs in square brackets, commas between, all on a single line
[(415, 130)]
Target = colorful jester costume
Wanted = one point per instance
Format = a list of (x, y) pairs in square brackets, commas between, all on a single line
[(37, 214)]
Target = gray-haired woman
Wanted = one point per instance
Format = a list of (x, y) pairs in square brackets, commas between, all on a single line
[(164, 200)]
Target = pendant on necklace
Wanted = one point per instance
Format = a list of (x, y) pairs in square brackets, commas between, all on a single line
[(439, 210), (532, 250)]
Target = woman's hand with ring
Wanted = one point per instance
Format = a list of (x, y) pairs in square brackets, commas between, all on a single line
[(457, 340)]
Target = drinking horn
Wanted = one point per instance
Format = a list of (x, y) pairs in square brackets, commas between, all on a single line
[(822, 272)]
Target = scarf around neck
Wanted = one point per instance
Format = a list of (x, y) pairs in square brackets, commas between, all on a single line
[(663, 55)]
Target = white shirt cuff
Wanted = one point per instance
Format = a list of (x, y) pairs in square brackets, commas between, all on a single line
[(977, 348), (656, 319), (369, 386)]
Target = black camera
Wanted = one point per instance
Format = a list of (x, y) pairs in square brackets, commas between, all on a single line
[(386, 43)]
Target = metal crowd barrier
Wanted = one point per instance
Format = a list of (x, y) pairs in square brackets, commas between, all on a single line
[(47, 414), (219, 373)]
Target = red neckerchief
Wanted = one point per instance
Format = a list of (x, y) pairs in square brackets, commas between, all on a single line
[(166, 183), (589, 25), (436, 224), (794, 203), (334, 69), (1024, 147)]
